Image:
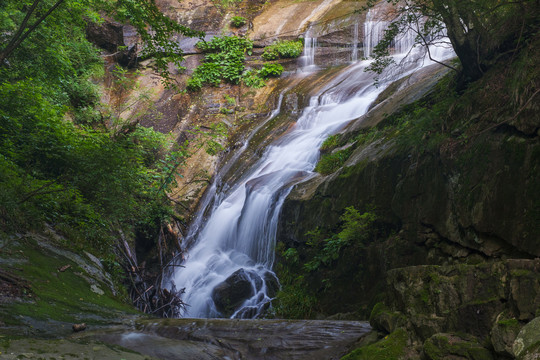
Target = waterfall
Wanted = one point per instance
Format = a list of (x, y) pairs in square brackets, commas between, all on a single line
[(307, 60), (373, 31), (237, 234), (354, 54)]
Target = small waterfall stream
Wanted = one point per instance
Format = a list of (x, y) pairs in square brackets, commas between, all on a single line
[(307, 60), (238, 234), (354, 53)]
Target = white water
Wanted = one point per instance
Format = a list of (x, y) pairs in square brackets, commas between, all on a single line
[(354, 54), (307, 60), (240, 230)]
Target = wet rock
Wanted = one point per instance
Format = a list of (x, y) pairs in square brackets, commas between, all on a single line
[(272, 284), (503, 334), (79, 327), (382, 319), (110, 36), (229, 295), (527, 343), (451, 346)]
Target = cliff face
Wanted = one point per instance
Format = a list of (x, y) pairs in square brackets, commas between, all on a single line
[(460, 193)]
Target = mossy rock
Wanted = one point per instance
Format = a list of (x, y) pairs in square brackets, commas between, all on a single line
[(63, 288), (392, 347), (527, 342), (384, 320), (504, 333), (450, 346)]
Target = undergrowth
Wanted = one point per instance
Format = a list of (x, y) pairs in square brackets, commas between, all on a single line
[(309, 273)]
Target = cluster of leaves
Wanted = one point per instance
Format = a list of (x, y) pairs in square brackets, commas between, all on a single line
[(283, 49), (271, 70), (355, 229), (238, 21), (224, 60), (303, 272)]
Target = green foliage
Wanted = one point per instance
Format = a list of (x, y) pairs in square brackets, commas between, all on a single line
[(271, 70), (87, 183), (238, 21), (225, 4), (330, 143), (283, 49), (156, 30), (51, 35), (252, 79), (331, 162), (307, 273), (355, 230), (224, 60)]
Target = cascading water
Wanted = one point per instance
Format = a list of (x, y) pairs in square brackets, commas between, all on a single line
[(307, 60), (238, 235), (354, 53)]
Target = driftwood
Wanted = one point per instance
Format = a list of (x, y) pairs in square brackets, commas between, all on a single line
[(146, 290)]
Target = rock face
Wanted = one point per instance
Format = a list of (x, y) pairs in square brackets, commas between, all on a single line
[(453, 252), (476, 299), (112, 37), (229, 295)]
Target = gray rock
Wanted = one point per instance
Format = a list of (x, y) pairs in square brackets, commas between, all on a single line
[(527, 343), (503, 334), (229, 295)]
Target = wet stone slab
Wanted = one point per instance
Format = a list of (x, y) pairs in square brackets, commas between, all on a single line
[(238, 339)]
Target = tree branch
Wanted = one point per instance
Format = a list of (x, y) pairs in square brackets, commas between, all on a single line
[(18, 38)]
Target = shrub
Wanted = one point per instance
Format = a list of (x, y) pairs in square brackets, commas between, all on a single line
[(252, 79), (224, 61), (238, 21), (283, 49), (271, 70)]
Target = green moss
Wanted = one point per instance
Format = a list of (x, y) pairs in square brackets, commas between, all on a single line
[(377, 310), (520, 272), (60, 296), (445, 346), (508, 322), (330, 143), (392, 347), (354, 170), (331, 162)]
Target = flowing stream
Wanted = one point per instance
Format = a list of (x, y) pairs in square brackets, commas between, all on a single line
[(234, 232)]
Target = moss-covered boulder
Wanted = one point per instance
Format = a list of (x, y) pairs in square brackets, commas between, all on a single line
[(467, 298), (503, 334), (455, 347), (394, 346), (527, 343), (382, 319)]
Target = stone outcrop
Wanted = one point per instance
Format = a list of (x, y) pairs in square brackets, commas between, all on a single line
[(229, 295)]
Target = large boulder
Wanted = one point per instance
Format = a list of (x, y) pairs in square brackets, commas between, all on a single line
[(229, 295), (527, 343), (454, 347), (504, 333)]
